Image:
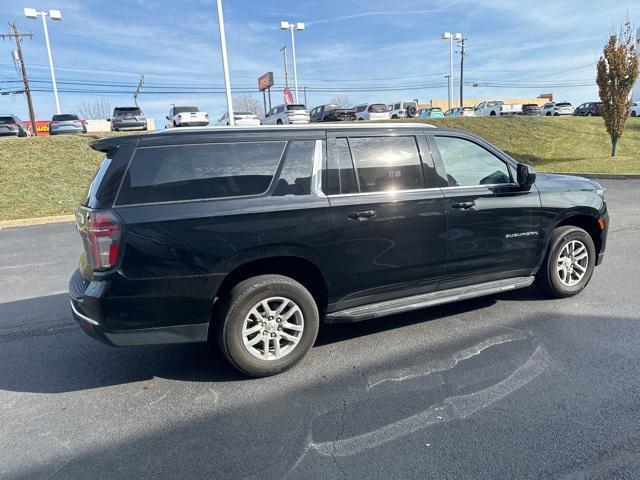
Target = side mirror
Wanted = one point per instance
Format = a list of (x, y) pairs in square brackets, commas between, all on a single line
[(526, 175)]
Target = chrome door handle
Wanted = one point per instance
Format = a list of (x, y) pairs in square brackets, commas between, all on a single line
[(463, 205), (363, 215)]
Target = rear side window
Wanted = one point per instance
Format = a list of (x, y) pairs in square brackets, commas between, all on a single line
[(189, 172), (341, 176), (387, 163), (295, 177)]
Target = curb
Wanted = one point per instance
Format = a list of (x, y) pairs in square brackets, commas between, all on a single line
[(27, 222), (604, 176)]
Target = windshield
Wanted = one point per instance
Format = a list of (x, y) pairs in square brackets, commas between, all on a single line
[(185, 109), (5, 120), (564, 104), (296, 107), (127, 111), (378, 108), (64, 118), (436, 109), (243, 113)]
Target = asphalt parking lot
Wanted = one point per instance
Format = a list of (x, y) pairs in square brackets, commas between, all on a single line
[(509, 386)]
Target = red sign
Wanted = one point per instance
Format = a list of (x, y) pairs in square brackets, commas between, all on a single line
[(265, 81), (42, 127)]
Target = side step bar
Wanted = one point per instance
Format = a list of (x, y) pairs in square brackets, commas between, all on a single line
[(431, 299)]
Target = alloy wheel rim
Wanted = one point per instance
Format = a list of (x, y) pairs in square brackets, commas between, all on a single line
[(273, 328), (572, 263)]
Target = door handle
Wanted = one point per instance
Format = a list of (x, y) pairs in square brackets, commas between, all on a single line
[(363, 215), (463, 205)]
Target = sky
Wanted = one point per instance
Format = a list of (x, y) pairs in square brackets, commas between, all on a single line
[(365, 50)]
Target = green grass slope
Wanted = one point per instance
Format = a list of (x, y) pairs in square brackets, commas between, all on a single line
[(46, 176)]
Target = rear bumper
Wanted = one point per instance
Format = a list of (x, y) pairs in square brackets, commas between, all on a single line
[(95, 312), (121, 125)]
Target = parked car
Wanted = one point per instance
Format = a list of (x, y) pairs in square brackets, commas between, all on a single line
[(460, 112), (240, 119), (255, 236), (372, 111), (588, 109), (128, 118), (11, 125), (556, 109), (531, 109), (635, 109), (332, 113), (287, 114), (403, 109), (66, 123), (186, 117), (497, 107), (431, 112)]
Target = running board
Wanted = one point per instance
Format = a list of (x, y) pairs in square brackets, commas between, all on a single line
[(431, 299)]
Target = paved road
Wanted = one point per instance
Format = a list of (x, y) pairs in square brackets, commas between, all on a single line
[(511, 386)]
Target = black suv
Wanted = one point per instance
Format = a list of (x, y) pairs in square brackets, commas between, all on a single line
[(255, 235), (589, 109), (332, 113)]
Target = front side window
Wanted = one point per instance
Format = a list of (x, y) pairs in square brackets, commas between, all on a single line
[(468, 164), (189, 172), (386, 163)]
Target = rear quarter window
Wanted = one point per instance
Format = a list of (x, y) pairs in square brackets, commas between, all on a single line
[(191, 172), (295, 176)]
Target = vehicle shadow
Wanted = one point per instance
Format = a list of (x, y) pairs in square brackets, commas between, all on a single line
[(50, 354)]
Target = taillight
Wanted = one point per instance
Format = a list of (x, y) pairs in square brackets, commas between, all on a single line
[(102, 239), (206, 115), (179, 117)]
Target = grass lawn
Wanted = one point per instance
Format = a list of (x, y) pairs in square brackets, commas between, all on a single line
[(47, 176)]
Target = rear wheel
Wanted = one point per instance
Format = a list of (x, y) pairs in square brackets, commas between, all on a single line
[(633, 113), (279, 122), (569, 263), (492, 114), (269, 323)]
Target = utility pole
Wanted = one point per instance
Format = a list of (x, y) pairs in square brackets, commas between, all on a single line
[(18, 38), (286, 74), (462, 54), (136, 94)]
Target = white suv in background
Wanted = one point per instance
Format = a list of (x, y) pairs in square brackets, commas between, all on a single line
[(287, 114), (556, 109), (186, 117), (403, 110), (372, 111), (244, 119)]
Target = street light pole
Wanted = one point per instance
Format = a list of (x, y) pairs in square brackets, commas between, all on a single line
[(293, 26), (451, 37), (225, 63), (54, 15)]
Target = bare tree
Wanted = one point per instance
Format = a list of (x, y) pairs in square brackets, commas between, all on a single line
[(247, 103), (341, 101), (97, 110), (617, 72)]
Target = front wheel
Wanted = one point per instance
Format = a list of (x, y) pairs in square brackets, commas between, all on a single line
[(633, 113), (269, 323), (569, 263)]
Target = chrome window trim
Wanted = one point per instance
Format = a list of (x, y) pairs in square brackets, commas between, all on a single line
[(82, 316), (318, 170), (383, 193), (489, 185)]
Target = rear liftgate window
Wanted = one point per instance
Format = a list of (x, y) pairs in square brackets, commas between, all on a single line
[(189, 172)]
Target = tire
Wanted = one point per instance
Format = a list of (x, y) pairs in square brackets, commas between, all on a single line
[(279, 122), (394, 117), (556, 114), (633, 113), (549, 278), (589, 114), (492, 114), (549, 114), (412, 111), (244, 303)]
